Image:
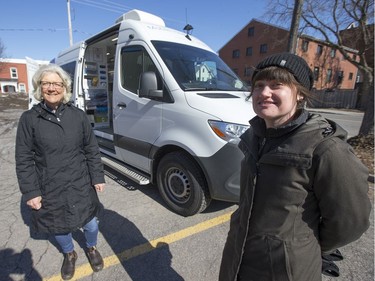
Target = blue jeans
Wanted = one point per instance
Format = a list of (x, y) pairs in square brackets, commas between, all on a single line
[(90, 230)]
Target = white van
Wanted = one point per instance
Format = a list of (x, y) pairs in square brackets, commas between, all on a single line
[(165, 109)]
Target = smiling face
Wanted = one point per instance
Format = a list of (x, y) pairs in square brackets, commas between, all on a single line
[(274, 102), (52, 89)]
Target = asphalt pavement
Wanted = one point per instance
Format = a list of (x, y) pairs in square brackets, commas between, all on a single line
[(140, 239)]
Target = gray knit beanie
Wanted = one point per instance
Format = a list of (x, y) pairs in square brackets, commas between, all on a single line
[(293, 63)]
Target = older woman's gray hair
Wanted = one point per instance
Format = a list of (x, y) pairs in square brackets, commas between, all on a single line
[(52, 68)]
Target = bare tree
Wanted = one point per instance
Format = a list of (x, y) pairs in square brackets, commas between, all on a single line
[(293, 34), (326, 19), (2, 49), (2, 53)]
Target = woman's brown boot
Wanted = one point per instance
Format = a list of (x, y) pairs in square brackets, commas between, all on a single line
[(69, 265)]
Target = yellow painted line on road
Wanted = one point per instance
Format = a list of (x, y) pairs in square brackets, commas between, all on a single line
[(85, 269)]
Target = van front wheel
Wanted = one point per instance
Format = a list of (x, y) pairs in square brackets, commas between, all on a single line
[(182, 185)]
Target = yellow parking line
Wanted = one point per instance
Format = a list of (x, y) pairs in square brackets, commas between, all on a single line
[(85, 269)]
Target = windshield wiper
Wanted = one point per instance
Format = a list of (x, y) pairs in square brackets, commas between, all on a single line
[(201, 89)]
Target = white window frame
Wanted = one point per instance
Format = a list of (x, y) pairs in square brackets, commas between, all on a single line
[(22, 87), (13, 73)]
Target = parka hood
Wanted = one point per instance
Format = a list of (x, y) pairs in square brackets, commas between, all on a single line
[(326, 126), (312, 121), (305, 125), (41, 107)]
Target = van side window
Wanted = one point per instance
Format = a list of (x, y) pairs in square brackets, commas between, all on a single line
[(71, 69), (134, 61)]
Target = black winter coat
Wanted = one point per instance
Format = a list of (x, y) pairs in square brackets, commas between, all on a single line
[(303, 193), (57, 158)]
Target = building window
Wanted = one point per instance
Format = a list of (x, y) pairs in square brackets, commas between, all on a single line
[(236, 53), (250, 31), (249, 51), (305, 45), (319, 50), (13, 73), (247, 71), (235, 70), (9, 89), (316, 73), (263, 48), (329, 75), (340, 77), (22, 88), (350, 76), (354, 57), (333, 53)]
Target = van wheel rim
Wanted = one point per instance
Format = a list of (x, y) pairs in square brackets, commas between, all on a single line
[(178, 185)]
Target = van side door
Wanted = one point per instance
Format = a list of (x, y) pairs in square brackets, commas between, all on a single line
[(136, 120)]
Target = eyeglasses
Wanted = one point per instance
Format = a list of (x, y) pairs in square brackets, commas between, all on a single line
[(56, 85)]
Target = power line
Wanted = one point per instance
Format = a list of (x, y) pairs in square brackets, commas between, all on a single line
[(117, 4), (111, 5), (102, 6), (42, 30), (91, 3)]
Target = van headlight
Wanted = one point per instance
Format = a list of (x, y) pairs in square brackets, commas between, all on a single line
[(229, 132)]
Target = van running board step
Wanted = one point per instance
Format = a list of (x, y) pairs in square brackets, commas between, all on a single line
[(141, 180)]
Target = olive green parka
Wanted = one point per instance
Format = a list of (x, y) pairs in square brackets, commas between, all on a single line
[(303, 193)]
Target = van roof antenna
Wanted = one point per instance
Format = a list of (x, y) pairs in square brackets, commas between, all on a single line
[(188, 28)]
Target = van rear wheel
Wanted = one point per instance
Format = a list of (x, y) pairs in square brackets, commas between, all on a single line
[(182, 185)]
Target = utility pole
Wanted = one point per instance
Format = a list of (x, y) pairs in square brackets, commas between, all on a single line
[(293, 33), (69, 24)]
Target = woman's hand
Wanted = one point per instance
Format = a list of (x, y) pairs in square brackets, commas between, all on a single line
[(99, 187), (35, 203)]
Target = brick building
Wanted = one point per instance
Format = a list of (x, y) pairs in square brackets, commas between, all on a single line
[(16, 74), (351, 38), (258, 40), (13, 76), (331, 69)]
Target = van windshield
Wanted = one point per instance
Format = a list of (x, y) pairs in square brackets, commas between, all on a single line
[(198, 70)]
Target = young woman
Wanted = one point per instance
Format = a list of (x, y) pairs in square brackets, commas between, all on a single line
[(303, 191), (59, 168)]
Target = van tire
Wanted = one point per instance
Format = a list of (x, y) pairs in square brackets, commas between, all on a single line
[(182, 185)]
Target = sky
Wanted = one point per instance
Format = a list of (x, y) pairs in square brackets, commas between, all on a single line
[(38, 29)]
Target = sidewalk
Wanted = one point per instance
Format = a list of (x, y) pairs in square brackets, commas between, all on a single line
[(337, 111)]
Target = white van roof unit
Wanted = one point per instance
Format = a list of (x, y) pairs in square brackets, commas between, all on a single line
[(141, 16)]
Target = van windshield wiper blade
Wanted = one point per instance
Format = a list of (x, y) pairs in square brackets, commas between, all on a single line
[(201, 89), (196, 89)]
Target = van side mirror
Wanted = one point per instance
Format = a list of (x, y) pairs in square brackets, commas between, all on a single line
[(148, 86)]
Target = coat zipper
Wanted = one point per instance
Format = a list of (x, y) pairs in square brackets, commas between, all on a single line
[(254, 180)]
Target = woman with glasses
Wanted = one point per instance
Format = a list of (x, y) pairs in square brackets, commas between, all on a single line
[(59, 168)]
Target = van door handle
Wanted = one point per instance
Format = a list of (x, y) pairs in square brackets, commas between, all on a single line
[(121, 105)]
